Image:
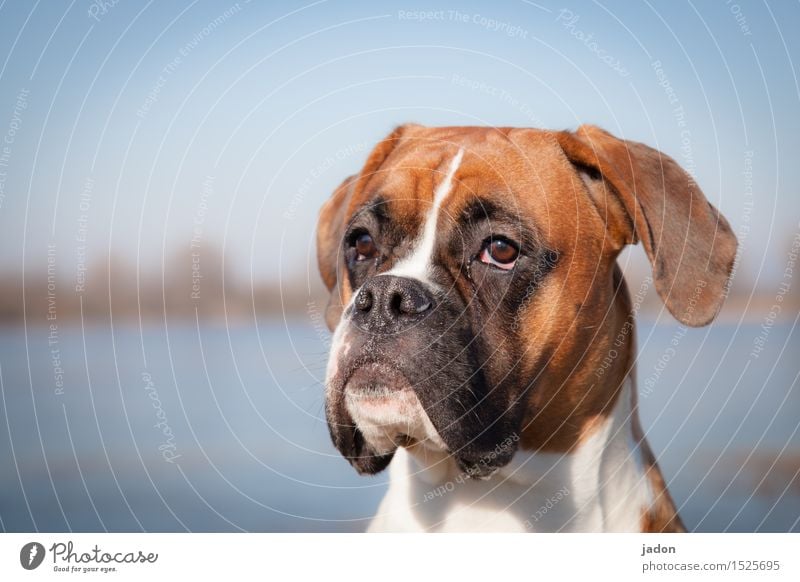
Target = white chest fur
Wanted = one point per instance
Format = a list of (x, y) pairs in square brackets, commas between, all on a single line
[(601, 486)]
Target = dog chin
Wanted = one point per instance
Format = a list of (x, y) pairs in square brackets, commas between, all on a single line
[(386, 411), (374, 409)]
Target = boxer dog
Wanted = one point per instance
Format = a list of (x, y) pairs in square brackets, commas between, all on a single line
[(483, 342)]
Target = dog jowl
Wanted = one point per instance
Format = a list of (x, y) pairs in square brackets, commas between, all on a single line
[(474, 287)]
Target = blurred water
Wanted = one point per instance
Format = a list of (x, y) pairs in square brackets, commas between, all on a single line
[(244, 407)]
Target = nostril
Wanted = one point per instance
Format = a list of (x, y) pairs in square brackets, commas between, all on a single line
[(385, 300), (409, 303), (364, 300), (412, 305), (396, 303)]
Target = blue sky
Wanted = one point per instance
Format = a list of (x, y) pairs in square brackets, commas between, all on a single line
[(136, 126)]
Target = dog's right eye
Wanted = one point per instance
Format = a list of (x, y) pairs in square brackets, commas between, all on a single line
[(364, 245)]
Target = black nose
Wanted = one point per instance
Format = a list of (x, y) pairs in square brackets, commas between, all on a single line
[(388, 303)]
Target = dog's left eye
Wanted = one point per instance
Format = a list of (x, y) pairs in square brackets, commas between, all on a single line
[(499, 252)]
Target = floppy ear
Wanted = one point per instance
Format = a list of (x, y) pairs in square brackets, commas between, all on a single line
[(331, 224), (689, 243), (330, 230)]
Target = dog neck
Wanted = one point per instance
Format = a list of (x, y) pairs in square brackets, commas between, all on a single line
[(601, 485)]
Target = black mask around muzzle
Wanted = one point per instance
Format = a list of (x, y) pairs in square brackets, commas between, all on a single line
[(396, 321)]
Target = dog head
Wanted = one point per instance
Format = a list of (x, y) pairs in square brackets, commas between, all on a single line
[(474, 285)]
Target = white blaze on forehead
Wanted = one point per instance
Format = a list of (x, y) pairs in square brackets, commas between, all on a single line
[(417, 264)]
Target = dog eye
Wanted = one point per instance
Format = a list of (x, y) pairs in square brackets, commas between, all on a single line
[(365, 247), (499, 252)]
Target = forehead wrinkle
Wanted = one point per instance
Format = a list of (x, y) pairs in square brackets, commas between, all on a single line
[(413, 188), (417, 263), (490, 216), (417, 193)]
